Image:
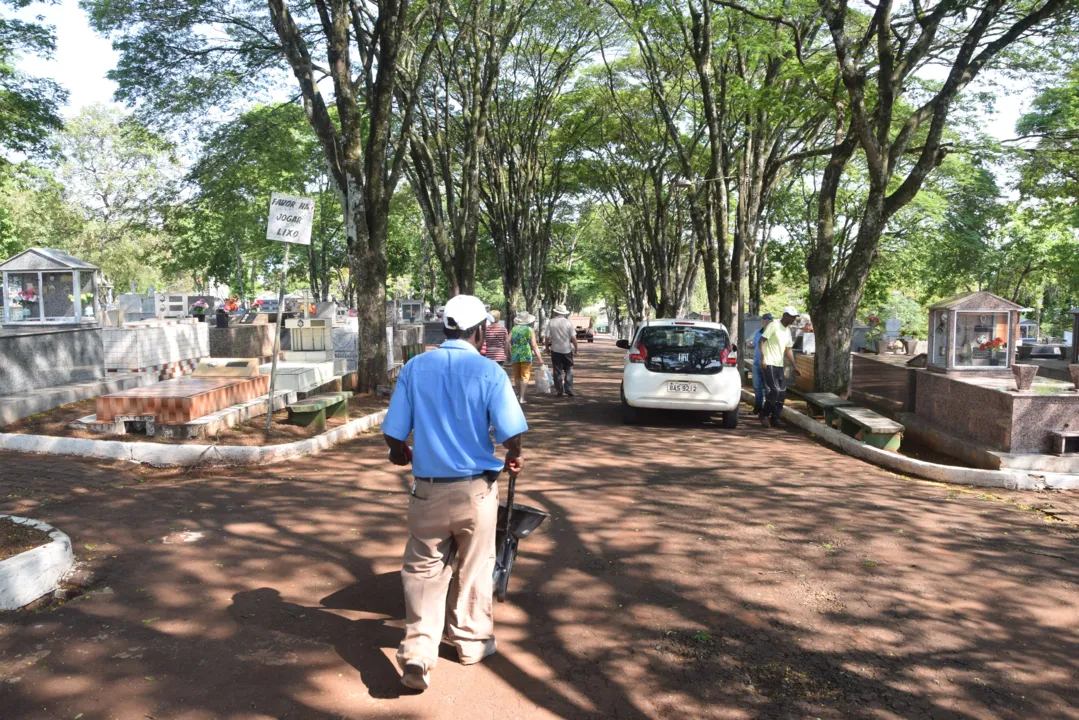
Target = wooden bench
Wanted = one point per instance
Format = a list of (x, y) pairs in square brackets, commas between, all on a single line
[(824, 404), (869, 427), (410, 351), (312, 410)]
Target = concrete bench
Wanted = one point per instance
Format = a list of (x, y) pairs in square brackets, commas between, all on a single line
[(824, 404), (1065, 442), (312, 411), (869, 427)]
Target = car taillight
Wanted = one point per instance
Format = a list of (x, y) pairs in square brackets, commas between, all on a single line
[(640, 356), (726, 357)]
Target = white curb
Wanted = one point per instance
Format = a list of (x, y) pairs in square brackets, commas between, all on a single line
[(1008, 479), (167, 455), (36, 572)]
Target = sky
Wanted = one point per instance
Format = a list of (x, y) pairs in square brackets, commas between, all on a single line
[(83, 58)]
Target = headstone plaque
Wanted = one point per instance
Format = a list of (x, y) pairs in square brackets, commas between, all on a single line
[(253, 318), (892, 328)]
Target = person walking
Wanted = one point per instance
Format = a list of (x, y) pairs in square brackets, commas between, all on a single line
[(758, 374), (495, 348), (562, 344), (775, 346), (449, 399), (523, 351)]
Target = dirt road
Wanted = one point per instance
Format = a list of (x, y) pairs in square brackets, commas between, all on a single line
[(686, 572)]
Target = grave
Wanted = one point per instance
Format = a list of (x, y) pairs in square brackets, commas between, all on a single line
[(965, 401), (215, 385), (166, 348), (310, 361), (51, 347)]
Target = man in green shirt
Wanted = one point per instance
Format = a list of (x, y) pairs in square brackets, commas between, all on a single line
[(775, 345)]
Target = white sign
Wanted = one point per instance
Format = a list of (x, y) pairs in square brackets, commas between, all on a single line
[(290, 219)]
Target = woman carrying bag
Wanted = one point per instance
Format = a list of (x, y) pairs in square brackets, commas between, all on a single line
[(523, 351)]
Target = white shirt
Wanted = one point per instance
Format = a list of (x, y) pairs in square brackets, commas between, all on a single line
[(562, 334)]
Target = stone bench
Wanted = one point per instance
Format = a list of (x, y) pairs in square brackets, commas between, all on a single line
[(1065, 442), (825, 404), (869, 427), (312, 411)]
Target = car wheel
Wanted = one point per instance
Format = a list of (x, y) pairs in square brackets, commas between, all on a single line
[(730, 419)]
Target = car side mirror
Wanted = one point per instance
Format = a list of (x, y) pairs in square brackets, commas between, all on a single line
[(624, 344)]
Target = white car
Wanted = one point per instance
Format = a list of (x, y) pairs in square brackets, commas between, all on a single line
[(681, 365)]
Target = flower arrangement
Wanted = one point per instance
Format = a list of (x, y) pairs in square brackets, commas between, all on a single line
[(256, 306), (200, 307), (994, 345), (311, 309), (875, 333), (231, 305), (872, 319), (897, 347), (26, 297)]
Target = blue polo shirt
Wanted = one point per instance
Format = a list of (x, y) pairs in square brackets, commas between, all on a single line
[(451, 398), (757, 348)]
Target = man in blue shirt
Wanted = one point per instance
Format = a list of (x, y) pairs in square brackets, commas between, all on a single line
[(758, 376), (449, 399)]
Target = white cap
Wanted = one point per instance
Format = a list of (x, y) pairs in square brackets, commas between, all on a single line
[(791, 310), (463, 311)]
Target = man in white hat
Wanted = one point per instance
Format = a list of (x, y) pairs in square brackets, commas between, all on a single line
[(775, 345), (562, 344), (449, 399)]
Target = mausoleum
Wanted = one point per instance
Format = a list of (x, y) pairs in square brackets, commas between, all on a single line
[(48, 287)]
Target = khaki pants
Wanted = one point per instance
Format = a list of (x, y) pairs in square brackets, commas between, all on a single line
[(440, 515)]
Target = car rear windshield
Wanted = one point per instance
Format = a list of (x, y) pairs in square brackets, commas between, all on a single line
[(684, 349)]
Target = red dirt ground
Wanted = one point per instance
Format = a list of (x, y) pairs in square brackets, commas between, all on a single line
[(686, 572)]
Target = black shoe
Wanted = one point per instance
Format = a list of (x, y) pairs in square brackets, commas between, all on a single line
[(560, 394), (757, 410), (778, 425), (569, 393)]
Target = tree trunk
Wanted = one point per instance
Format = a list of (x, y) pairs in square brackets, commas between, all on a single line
[(371, 315), (832, 324)]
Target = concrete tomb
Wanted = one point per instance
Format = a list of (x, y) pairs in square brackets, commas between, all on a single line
[(174, 402)]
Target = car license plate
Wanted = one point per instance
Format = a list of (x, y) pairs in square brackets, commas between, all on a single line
[(681, 387)]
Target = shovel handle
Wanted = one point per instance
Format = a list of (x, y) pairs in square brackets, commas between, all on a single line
[(509, 501)]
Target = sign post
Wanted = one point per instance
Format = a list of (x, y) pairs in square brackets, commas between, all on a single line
[(289, 222)]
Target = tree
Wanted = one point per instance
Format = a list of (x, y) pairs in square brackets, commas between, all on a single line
[(267, 149), (449, 141), (1050, 170), (119, 177), (179, 57), (534, 129), (28, 105), (878, 58)]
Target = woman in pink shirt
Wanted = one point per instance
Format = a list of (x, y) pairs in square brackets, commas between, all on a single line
[(495, 347)]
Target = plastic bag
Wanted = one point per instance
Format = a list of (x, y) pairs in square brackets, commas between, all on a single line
[(544, 380)]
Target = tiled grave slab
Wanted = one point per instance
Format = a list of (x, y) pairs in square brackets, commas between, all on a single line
[(205, 426), (182, 400)]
